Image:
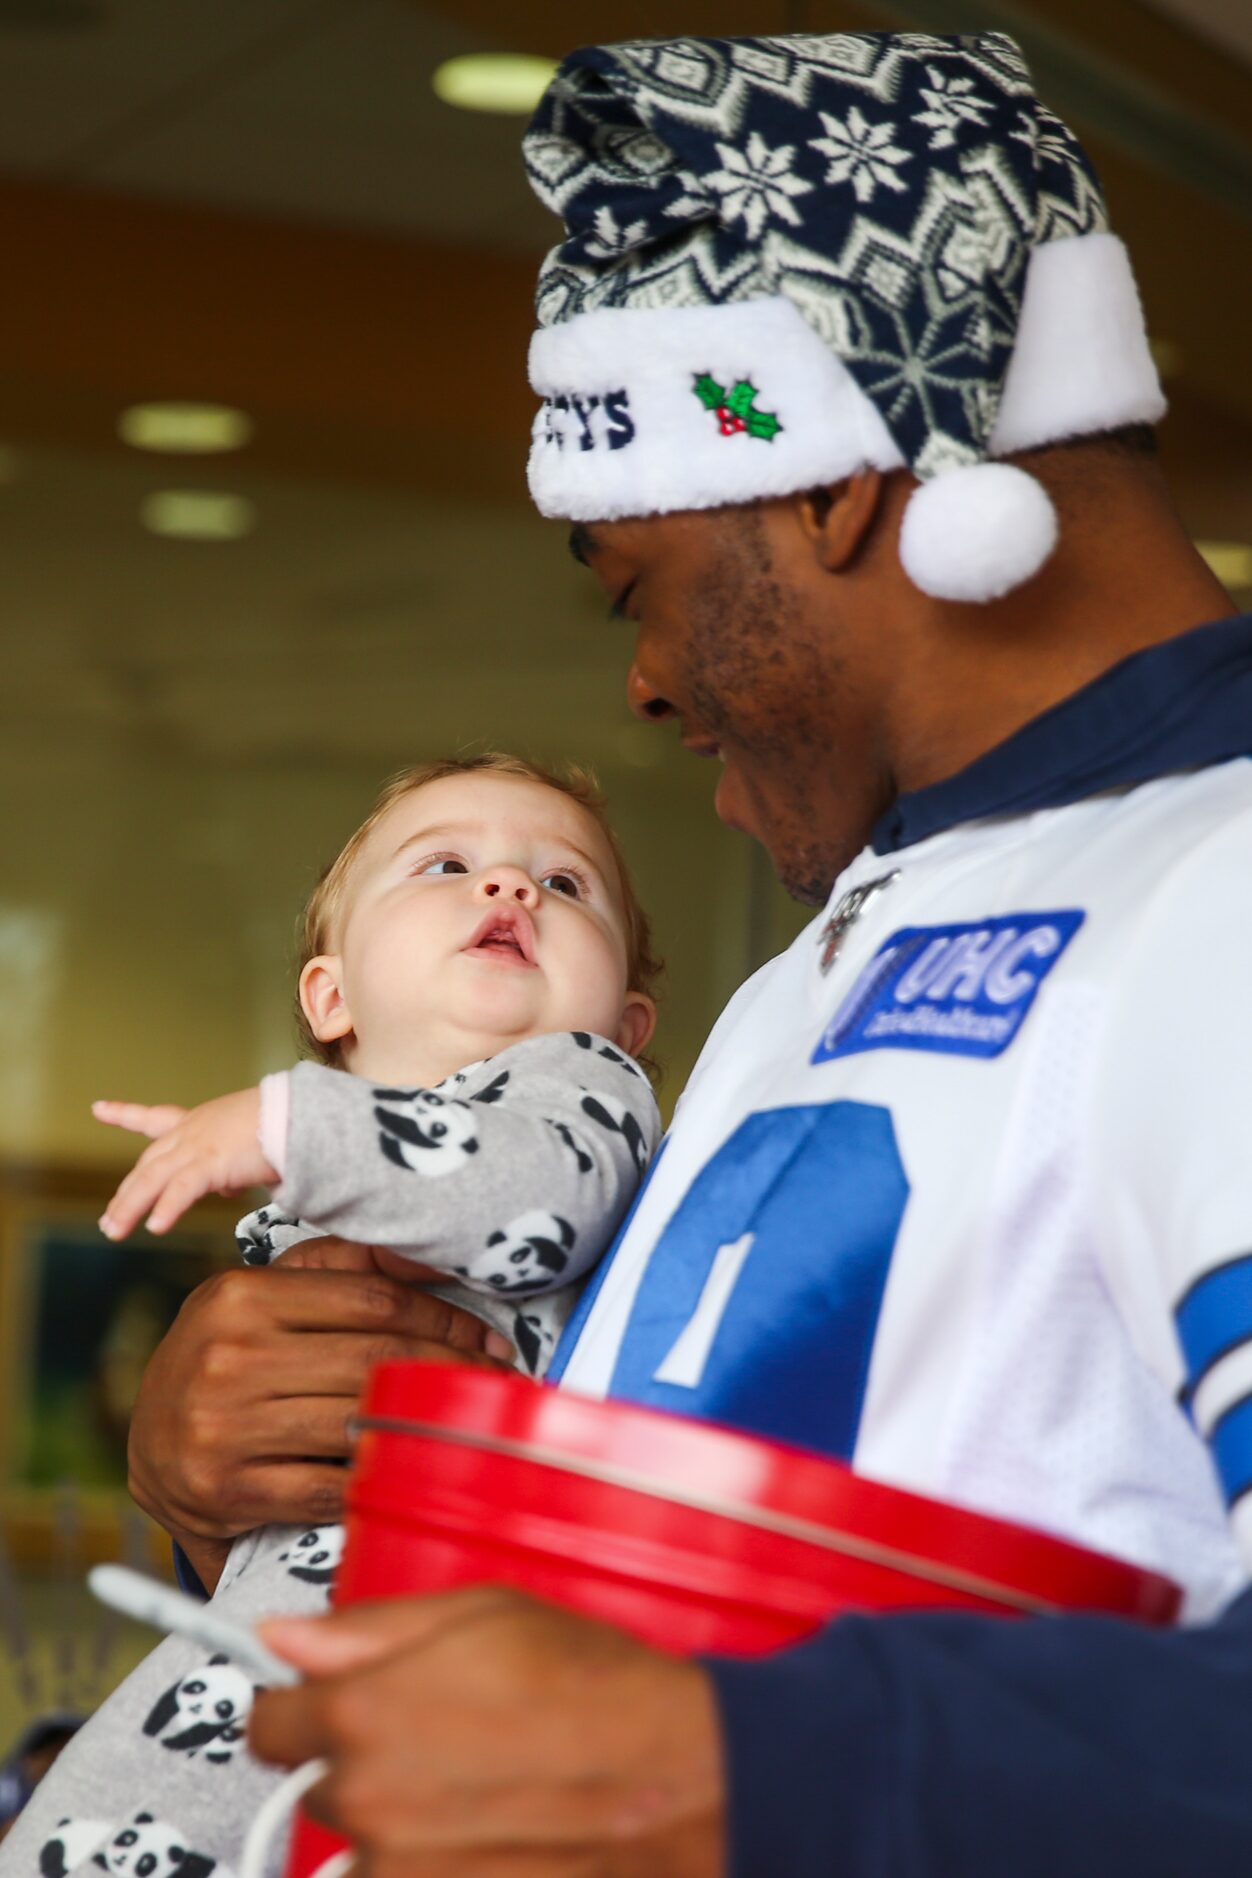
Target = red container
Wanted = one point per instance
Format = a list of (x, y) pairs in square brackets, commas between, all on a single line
[(695, 1538)]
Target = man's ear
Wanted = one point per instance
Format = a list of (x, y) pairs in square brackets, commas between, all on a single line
[(638, 1022), (839, 518), (322, 1000)]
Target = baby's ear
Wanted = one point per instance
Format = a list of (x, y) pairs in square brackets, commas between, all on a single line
[(322, 1000), (638, 1021)]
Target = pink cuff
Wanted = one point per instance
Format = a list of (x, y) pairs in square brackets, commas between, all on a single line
[(272, 1133)]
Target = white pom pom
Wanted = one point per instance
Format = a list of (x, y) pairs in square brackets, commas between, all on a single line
[(977, 532)]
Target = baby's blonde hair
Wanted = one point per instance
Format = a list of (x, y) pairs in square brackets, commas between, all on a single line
[(320, 922)]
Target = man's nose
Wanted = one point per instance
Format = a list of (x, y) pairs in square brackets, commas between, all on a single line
[(644, 701), (507, 883)]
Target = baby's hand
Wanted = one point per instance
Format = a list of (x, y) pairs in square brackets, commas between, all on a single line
[(210, 1149)]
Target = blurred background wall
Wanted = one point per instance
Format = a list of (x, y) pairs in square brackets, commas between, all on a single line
[(209, 657)]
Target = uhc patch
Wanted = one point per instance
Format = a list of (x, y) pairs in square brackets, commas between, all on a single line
[(962, 990)]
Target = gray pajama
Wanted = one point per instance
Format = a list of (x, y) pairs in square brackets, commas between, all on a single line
[(511, 1176)]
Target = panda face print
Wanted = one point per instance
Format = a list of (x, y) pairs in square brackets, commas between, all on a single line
[(315, 1556), (616, 1119), (529, 1254), (425, 1132), (150, 1848), (72, 1842), (204, 1712)]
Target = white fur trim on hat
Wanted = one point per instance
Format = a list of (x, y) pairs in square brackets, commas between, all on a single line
[(623, 430), (1081, 363)]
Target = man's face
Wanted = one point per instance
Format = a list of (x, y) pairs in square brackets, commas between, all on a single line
[(739, 637)]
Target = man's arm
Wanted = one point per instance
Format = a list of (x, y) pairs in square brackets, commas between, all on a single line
[(242, 1415), (943, 1745), (483, 1732), (508, 1736)]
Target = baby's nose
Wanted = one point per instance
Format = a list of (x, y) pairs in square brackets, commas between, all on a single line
[(508, 883)]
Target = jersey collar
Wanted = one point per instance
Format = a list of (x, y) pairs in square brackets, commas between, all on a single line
[(1184, 704)]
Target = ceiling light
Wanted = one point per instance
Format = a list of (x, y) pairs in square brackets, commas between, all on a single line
[(1231, 561), (493, 81), (198, 515), (187, 429)]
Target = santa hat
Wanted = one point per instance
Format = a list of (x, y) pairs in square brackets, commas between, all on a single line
[(789, 258)]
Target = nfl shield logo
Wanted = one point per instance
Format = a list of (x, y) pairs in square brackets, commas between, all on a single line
[(846, 914)]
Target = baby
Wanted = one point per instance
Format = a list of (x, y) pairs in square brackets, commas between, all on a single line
[(477, 962)]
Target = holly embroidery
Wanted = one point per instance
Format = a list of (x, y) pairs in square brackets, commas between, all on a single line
[(734, 409)]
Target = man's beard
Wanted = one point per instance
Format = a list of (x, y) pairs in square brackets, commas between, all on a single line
[(757, 682), (807, 865)]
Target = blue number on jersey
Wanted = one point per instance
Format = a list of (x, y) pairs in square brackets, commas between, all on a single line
[(760, 1301)]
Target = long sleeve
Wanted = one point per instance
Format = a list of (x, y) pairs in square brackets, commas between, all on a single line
[(942, 1745), (512, 1176)]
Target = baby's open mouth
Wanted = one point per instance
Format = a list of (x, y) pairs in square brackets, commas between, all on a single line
[(507, 935), (501, 939)]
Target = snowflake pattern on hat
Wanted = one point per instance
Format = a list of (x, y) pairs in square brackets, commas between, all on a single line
[(891, 186)]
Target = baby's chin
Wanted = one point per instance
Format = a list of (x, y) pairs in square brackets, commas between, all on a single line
[(439, 1049)]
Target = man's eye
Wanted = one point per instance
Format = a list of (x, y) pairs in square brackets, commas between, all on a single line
[(618, 609), (562, 881), (443, 864)]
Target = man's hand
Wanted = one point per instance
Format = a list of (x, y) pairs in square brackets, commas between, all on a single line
[(480, 1734), (210, 1149), (243, 1409)]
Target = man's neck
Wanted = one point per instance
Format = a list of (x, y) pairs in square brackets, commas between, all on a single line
[(1124, 576)]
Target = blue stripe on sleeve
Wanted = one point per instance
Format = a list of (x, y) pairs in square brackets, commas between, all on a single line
[(1215, 1315), (1231, 1442)]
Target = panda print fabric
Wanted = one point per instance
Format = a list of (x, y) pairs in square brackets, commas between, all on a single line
[(424, 1132), (204, 1712), (266, 1234), (512, 1177), (147, 1847), (70, 1842), (141, 1847), (315, 1555), (532, 1252), (160, 1782)]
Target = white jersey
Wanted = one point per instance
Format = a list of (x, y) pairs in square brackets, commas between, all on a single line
[(972, 1208)]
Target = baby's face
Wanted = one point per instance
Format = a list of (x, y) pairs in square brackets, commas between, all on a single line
[(482, 909)]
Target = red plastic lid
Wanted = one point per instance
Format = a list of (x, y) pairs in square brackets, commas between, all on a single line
[(765, 1484)]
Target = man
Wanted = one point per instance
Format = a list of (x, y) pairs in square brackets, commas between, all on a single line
[(959, 1189)]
